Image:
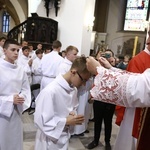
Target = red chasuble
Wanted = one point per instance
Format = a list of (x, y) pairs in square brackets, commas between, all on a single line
[(138, 64)]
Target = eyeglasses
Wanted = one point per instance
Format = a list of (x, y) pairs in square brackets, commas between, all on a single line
[(83, 80)]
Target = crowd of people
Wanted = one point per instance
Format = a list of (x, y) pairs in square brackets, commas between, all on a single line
[(69, 85)]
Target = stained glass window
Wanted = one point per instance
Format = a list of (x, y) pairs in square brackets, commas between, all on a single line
[(136, 15), (5, 19)]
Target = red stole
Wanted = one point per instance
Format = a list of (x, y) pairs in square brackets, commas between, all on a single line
[(138, 64), (144, 135)]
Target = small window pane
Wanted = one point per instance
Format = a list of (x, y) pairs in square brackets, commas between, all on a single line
[(6, 21), (136, 15)]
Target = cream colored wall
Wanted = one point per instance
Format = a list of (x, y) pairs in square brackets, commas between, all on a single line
[(115, 38), (87, 36), (33, 6), (19, 10), (1, 13), (71, 22), (12, 23), (72, 27)]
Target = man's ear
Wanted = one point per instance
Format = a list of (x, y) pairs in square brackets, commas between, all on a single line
[(73, 71), (4, 50)]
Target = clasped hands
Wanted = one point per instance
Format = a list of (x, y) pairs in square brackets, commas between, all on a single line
[(74, 119)]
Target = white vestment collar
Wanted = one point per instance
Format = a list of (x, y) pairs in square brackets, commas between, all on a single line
[(64, 84), (147, 51), (7, 64), (67, 61)]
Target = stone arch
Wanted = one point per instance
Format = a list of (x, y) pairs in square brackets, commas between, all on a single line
[(17, 9), (7, 5)]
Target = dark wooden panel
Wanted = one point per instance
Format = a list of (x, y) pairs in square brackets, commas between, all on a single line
[(101, 13)]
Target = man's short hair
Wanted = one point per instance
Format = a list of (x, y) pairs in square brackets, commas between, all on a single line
[(70, 48), (30, 44), (2, 38), (80, 65), (10, 41), (56, 44), (39, 51), (25, 47)]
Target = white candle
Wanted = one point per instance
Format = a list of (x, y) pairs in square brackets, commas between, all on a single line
[(135, 46)]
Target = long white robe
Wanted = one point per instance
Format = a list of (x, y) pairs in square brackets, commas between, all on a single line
[(36, 78), (83, 108), (36, 75), (64, 66), (48, 67), (13, 80), (23, 62), (53, 105), (125, 89), (138, 65), (1, 52), (32, 55)]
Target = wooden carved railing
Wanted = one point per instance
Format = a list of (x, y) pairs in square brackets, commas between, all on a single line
[(36, 30), (18, 32)]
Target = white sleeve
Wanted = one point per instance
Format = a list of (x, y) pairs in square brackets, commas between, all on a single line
[(6, 105), (138, 90), (35, 68), (110, 86), (45, 117), (125, 89), (61, 69), (25, 93)]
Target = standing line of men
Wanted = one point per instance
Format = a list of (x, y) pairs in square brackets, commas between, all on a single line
[(47, 68), (49, 64)]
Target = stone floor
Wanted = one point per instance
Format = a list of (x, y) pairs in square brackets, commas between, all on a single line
[(76, 143)]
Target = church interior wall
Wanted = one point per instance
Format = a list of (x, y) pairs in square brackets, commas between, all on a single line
[(12, 23), (114, 37), (71, 23), (19, 9), (1, 13)]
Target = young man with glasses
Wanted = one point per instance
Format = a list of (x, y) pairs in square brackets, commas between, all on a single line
[(56, 105)]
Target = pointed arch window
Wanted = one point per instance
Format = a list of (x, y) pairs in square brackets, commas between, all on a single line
[(5, 22)]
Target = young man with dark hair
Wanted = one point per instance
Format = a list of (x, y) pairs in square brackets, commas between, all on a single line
[(56, 106), (25, 62), (15, 97), (49, 64)]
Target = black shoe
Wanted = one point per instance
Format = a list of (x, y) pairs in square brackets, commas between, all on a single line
[(92, 120), (107, 146), (31, 111), (86, 131), (92, 145), (82, 134)]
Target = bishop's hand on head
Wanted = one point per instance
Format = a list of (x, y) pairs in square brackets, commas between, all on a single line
[(105, 63), (92, 65)]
